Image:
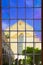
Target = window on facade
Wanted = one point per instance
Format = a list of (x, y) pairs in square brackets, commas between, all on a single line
[(21, 32)]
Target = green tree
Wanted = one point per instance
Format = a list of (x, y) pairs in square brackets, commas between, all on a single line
[(29, 50), (23, 61)]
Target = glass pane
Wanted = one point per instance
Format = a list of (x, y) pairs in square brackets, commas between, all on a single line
[(38, 25), (5, 37), (29, 60), (21, 37), (37, 3), (13, 60), (13, 47), (13, 36), (28, 3), (21, 48), (21, 3), (13, 13), (21, 25), (29, 36), (5, 48), (5, 13), (13, 25), (29, 48), (21, 59), (13, 3), (5, 24), (5, 3), (21, 13), (38, 60), (37, 36), (29, 13), (38, 11), (29, 25), (5, 60), (38, 47)]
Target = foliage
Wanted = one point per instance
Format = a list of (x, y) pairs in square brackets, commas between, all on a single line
[(29, 59), (30, 50), (7, 36), (23, 61)]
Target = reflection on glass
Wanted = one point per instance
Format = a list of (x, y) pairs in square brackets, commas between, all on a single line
[(5, 48), (21, 25), (38, 25), (14, 60), (28, 14), (38, 45), (5, 13), (13, 36), (5, 24), (29, 48), (13, 3), (17, 60), (21, 13), (5, 36), (29, 25), (37, 3), (5, 3), (21, 3), (29, 36), (38, 11), (37, 36), (5, 60), (13, 47), (21, 60), (21, 47), (13, 25), (38, 60), (13, 13), (28, 3), (21, 32), (21, 37), (29, 60)]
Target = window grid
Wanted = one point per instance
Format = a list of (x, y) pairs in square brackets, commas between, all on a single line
[(22, 30)]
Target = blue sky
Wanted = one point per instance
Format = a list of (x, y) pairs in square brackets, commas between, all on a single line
[(37, 3), (20, 12)]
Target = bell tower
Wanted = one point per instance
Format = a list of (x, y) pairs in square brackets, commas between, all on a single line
[(20, 43)]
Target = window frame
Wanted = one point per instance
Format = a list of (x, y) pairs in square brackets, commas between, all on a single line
[(1, 35)]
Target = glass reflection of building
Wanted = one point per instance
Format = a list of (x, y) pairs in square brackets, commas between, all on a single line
[(21, 37), (23, 15)]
